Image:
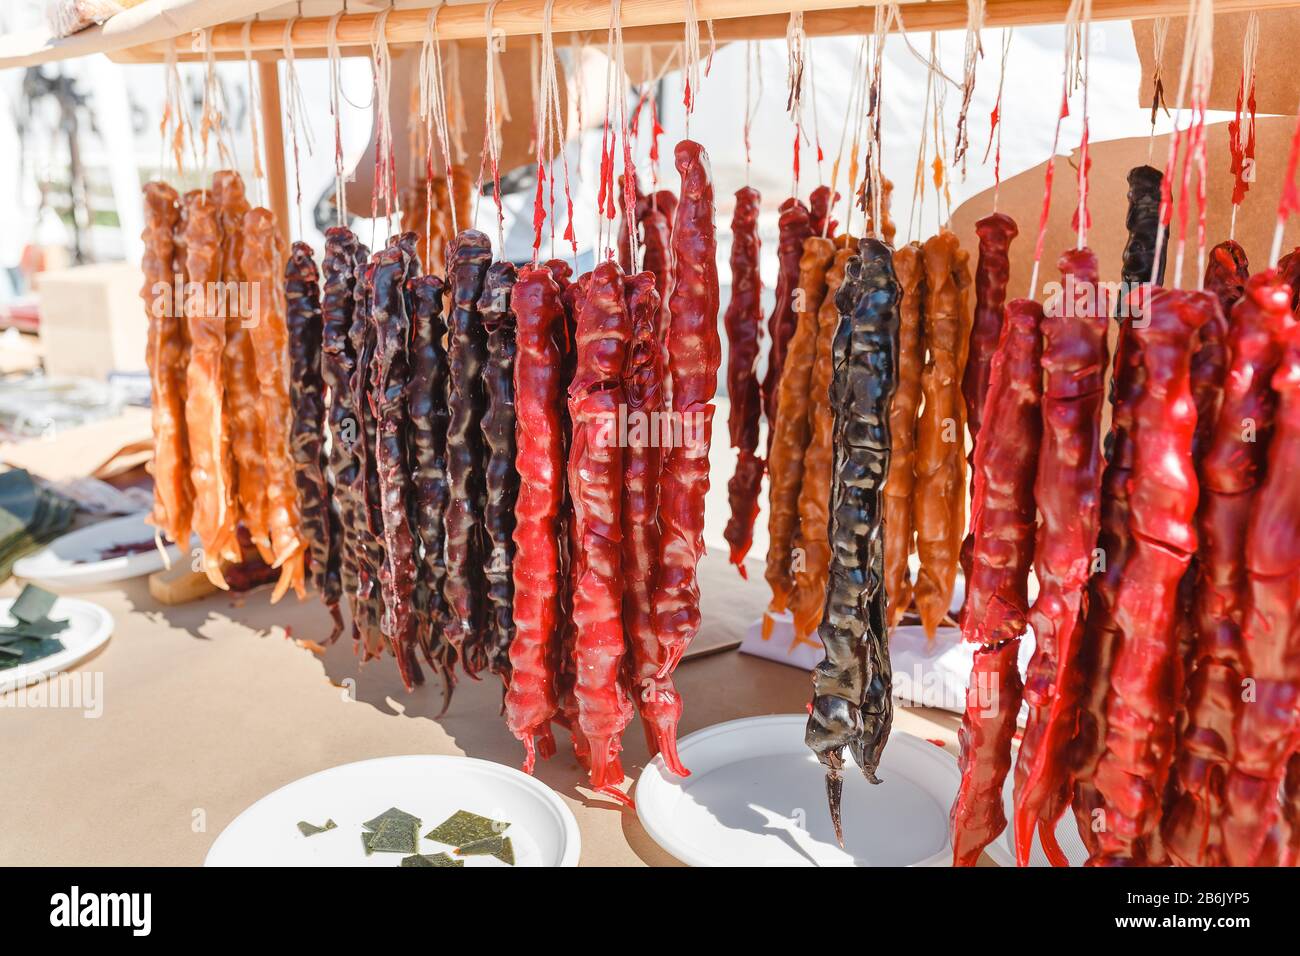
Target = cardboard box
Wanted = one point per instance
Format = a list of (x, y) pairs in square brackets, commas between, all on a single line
[(92, 320)]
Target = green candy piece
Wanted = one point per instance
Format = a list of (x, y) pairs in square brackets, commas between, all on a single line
[(310, 829), (32, 605), (393, 814), (436, 859), (393, 836), (463, 828), (497, 846)]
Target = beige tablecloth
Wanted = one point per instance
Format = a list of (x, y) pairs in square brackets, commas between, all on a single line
[(208, 707)]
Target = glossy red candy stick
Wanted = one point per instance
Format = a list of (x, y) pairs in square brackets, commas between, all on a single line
[(989, 723), (794, 227), (595, 479), (531, 698), (1003, 519), (1068, 492), (1003, 510), (1231, 469), (744, 325), (656, 697), (695, 353), (819, 210), (992, 271), (1140, 706), (1267, 729)]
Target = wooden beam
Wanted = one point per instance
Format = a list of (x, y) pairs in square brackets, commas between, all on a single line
[(277, 183), (660, 21)]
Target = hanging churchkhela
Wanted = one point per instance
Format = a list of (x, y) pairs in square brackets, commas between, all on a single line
[(851, 705), (744, 327), (496, 466)]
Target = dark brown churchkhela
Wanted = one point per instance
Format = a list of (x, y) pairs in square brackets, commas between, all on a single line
[(532, 694), (306, 436), (794, 228), (992, 271), (1113, 539), (1003, 519), (1231, 470), (427, 409), (365, 483), (851, 705), (744, 324), (338, 363), (468, 261), (390, 378), (501, 476)]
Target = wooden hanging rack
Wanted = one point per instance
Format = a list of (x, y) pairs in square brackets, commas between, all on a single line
[(644, 21), (651, 21)]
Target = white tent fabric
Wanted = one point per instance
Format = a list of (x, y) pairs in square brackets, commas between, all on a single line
[(149, 22)]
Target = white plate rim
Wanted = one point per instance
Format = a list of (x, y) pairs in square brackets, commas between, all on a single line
[(656, 778), (568, 822), (106, 571), (30, 673)]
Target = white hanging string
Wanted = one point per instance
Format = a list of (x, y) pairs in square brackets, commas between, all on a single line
[(213, 118), (884, 20), (296, 106), (254, 108), (384, 162), (691, 62), (974, 50), (1241, 142), (1159, 35), (491, 153), (995, 132), (852, 117), (433, 102), (794, 51), (556, 125), (629, 170), (1194, 25), (174, 116), (335, 60), (1081, 214), (917, 211)]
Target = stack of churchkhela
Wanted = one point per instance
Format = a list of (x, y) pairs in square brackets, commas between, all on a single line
[(455, 456), (218, 361), (610, 530), (1162, 691), (943, 352), (799, 462)]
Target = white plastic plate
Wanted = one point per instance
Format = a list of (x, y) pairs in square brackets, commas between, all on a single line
[(75, 560), (543, 831), (756, 796), (89, 628)]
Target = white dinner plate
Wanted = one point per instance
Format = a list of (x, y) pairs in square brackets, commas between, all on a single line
[(76, 559), (756, 796), (89, 628), (543, 831)]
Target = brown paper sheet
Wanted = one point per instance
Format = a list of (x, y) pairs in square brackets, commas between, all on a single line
[(1277, 83)]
